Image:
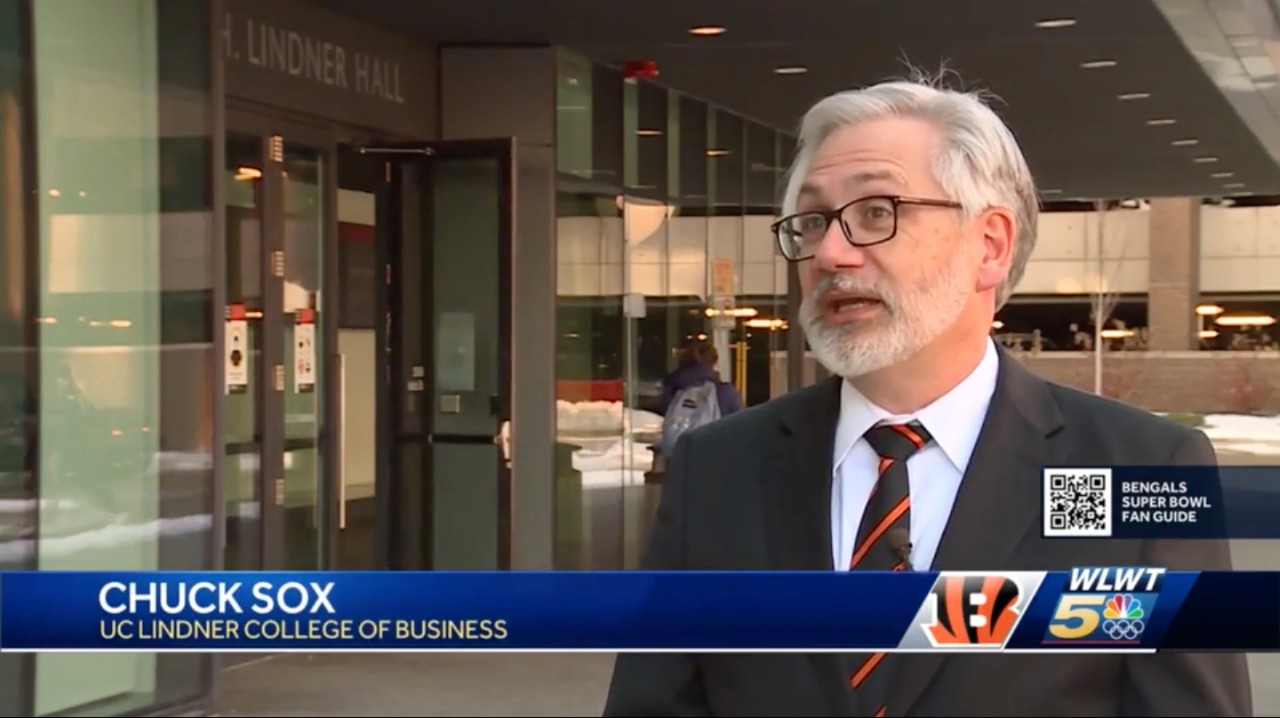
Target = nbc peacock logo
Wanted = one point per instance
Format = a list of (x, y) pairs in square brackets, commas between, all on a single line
[(1123, 618)]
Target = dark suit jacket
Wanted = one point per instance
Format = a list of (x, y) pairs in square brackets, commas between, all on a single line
[(752, 491)]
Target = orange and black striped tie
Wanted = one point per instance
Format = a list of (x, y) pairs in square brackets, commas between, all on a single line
[(888, 512)]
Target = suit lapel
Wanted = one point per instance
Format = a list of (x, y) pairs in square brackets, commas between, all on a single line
[(797, 504), (999, 498), (797, 481), (998, 502)]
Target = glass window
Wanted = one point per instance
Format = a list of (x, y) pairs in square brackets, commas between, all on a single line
[(762, 335), (126, 351), (647, 138), (726, 158), (590, 327), (663, 215), (647, 214), (687, 237), (574, 116), (18, 328), (1238, 322), (1065, 323)]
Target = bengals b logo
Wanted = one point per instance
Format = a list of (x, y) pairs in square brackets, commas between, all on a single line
[(978, 611)]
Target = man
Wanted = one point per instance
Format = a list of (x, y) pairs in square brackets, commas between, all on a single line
[(913, 213)]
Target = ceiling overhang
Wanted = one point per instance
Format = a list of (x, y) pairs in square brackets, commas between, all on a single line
[(1189, 104), (1237, 43)]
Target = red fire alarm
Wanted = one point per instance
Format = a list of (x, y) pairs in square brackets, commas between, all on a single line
[(640, 69)]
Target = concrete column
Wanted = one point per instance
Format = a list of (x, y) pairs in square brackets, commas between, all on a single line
[(1174, 273), (491, 92)]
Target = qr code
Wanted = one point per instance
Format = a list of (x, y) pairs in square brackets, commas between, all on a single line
[(1077, 502)]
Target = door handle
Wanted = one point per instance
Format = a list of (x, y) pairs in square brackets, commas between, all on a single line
[(503, 440)]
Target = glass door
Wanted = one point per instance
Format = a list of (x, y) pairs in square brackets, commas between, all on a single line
[(278, 339), (444, 229), (243, 359), (304, 167), (357, 357)]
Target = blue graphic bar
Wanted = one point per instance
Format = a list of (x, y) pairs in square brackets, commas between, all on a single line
[(1133, 608), (465, 610)]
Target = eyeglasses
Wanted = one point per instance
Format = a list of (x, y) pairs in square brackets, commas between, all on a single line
[(865, 221)]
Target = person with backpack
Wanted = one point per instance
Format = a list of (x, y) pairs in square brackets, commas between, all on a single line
[(693, 394)]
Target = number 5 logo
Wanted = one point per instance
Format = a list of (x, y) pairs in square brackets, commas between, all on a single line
[(1083, 610)]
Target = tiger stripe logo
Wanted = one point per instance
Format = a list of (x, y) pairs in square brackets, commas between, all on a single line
[(977, 611)]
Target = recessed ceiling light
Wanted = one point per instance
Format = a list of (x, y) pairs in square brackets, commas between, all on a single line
[(1095, 64), (1223, 175), (1161, 121), (649, 133), (717, 153), (1134, 96), (706, 30), (791, 70), (1233, 185), (1185, 143), (1057, 22), (1205, 160), (1050, 191)]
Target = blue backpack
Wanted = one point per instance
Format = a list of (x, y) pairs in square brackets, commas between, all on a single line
[(690, 408)]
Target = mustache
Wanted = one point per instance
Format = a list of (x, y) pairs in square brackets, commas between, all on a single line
[(849, 284)]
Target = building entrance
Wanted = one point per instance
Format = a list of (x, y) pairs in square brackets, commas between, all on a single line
[(368, 363)]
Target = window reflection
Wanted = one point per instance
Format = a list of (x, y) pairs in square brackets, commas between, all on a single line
[(1064, 324), (19, 418), (1233, 323), (664, 207), (125, 393), (1047, 324)]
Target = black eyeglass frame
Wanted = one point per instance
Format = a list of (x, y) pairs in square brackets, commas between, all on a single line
[(835, 215)]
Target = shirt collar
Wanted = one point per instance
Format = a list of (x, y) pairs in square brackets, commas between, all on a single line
[(955, 419)]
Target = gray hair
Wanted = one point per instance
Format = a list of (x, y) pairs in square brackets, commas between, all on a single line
[(980, 165)]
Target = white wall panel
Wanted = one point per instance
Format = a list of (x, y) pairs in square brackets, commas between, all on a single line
[(1240, 252)]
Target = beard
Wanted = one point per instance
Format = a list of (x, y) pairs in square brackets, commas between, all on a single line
[(911, 317)]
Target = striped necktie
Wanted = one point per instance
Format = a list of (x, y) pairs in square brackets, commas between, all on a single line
[(882, 535)]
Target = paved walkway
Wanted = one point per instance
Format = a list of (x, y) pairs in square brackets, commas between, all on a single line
[(476, 685), (418, 684)]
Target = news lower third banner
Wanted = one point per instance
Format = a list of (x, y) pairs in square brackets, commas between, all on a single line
[(1135, 609), (1161, 502)]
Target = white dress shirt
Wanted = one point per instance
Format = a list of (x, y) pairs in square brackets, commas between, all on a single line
[(954, 421)]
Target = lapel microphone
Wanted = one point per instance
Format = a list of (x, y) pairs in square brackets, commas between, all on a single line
[(900, 545)]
